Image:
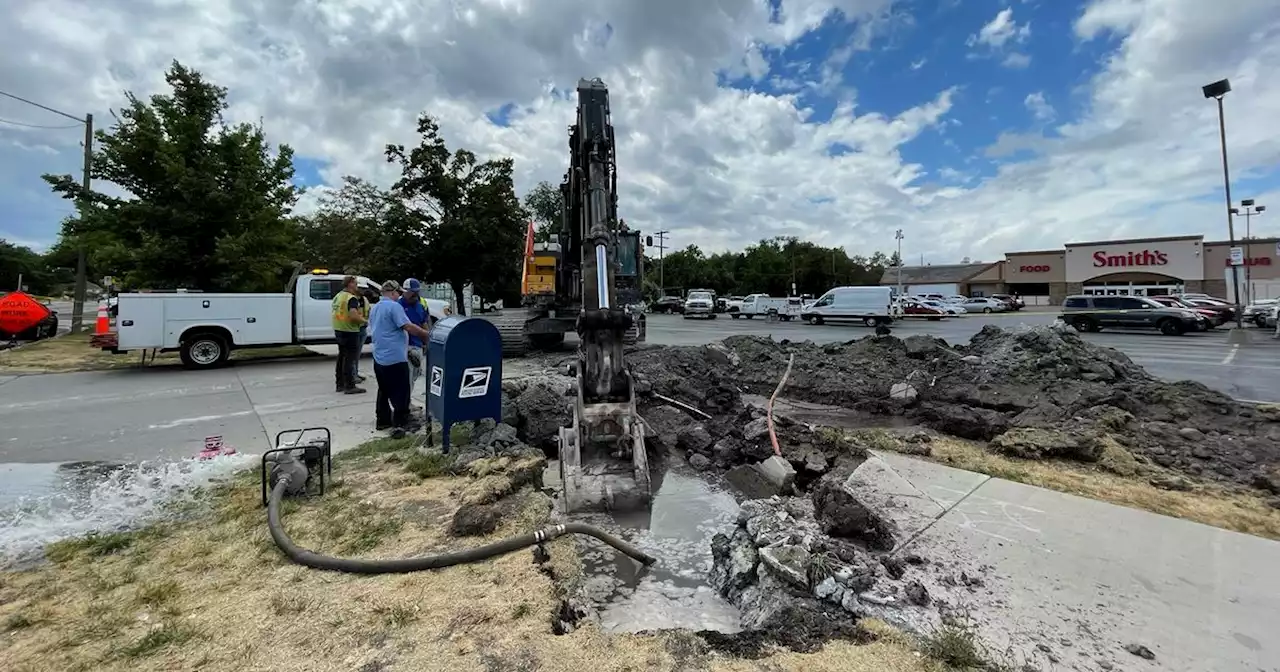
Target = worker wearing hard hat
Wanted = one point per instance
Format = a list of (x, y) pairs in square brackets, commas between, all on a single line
[(415, 308)]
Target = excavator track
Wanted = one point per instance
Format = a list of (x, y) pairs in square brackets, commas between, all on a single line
[(511, 331)]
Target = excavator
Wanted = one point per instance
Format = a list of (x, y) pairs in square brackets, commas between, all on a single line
[(588, 278)]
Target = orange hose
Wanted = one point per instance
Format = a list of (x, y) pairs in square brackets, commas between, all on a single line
[(773, 436)]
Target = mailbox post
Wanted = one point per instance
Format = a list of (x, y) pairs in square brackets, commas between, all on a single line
[(464, 373)]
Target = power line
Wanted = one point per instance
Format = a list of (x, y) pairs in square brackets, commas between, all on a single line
[(26, 125)]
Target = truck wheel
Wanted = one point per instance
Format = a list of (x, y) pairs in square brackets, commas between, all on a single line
[(735, 315), (815, 319), (870, 321), (711, 316), (204, 351), (785, 318), (1170, 327)]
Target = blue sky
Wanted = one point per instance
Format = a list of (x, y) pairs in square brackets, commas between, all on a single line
[(1021, 124)]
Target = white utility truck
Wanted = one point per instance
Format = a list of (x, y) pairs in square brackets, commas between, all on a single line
[(871, 306), (760, 305), (205, 327)]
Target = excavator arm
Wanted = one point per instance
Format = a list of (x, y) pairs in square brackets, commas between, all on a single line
[(602, 454)]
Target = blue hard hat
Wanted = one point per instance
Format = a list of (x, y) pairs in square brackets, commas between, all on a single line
[(412, 285)]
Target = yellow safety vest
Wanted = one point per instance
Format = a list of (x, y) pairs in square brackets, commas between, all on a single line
[(342, 321)]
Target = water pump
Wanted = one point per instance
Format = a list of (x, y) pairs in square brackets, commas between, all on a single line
[(304, 456)]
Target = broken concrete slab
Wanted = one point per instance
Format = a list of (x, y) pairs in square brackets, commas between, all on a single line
[(944, 485), (883, 491), (778, 472)]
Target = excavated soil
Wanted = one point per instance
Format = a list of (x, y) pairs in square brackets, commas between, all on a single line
[(1032, 392)]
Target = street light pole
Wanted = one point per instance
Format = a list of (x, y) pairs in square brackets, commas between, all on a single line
[(898, 236), (1249, 210), (77, 308), (1217, 91)]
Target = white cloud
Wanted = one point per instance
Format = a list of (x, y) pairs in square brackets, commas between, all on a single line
[(717, 167), (1000, 31), (1016, 61), (1039, 107)]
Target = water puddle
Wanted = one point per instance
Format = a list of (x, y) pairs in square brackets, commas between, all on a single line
[(687, 510), (43, 503)]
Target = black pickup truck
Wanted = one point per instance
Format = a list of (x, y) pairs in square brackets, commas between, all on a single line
[(1094, 313)]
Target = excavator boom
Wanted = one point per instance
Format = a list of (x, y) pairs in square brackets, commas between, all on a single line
[(602, 455)]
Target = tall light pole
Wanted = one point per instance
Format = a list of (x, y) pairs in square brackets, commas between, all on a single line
[(662, 246), (898, 236), (1217, 91), (1249, 210), (77, 308)]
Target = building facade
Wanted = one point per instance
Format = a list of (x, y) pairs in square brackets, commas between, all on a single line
[(1135, 267)]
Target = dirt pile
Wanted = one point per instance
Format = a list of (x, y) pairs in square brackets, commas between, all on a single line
[(1032, 391)]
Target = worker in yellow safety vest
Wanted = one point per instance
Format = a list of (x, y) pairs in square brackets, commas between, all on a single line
[(350, 317)]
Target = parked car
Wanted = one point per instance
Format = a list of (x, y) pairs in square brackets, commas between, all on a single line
[(980, 304), (1213, 318), (667, 304), (1256, 312), (1227, 310), (701, 302), (952, 309), (1010, 300), (912, 308), (1094, 313)]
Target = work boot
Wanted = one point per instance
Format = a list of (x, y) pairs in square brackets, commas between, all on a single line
[(354, 390), (360, 378)]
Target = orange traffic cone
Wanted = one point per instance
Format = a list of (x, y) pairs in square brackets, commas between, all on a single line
[(104, 325)]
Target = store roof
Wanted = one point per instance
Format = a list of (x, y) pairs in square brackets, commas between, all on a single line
[(921, 275)]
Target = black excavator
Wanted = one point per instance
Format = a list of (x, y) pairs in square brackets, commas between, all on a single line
[(588, 279), (558, 272)]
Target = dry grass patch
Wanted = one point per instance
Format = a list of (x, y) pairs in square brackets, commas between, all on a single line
[(72, 352), (215, 594), (1117, 477)]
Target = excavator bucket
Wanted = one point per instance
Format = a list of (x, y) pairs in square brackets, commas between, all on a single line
[(603, 462)]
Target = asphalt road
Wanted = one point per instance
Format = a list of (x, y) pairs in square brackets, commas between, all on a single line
[(140, 414)]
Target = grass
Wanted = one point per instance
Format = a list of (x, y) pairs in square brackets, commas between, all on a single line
[(72, 352), (1118, 477), (215, 594)]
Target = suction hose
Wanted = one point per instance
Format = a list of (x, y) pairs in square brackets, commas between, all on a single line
[(315, 560)]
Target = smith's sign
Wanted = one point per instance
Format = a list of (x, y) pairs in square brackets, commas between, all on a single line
[(1140, 258)]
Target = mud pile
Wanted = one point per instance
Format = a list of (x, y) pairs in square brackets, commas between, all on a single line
[(1033, 392)]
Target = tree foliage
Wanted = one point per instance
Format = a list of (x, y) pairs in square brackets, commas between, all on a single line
[(465, 210), (545, 204), (770, 266), (208, 202)]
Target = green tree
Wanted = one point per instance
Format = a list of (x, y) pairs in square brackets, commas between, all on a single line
[(18, 261), (355, 230), (471, 220), (545, 204), (208, 202)]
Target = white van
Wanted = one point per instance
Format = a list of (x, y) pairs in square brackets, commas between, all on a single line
[(870, 305)]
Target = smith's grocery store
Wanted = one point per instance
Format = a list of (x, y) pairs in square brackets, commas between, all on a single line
[(1141, 267)]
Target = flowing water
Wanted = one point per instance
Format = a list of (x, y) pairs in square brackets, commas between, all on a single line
[(687, 510), (43, 503)]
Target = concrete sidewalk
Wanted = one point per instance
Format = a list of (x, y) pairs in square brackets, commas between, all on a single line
[(1067, 583)]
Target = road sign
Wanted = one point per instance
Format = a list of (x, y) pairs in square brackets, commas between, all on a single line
[(108, 281), (19, 312), (1237, 256)]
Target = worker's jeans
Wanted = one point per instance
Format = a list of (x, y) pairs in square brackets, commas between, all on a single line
[(415, 372), (393, 394), (355, 365), (344, 370)]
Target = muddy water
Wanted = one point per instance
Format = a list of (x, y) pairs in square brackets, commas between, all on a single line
[(687, 511)]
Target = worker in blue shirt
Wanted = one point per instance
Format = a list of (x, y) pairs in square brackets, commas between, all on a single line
[(410, 300), (391, 329)]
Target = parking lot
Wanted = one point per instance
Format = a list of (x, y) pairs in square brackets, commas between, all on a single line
[(1247, 372)]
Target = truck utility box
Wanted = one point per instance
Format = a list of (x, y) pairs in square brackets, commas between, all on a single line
[(762, 304)]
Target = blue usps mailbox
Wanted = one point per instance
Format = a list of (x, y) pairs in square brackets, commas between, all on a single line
[(464, 376)]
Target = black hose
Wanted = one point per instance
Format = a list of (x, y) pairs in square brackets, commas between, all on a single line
[(315, 560)]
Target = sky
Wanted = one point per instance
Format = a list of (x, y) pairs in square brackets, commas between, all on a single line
[(977, 127)]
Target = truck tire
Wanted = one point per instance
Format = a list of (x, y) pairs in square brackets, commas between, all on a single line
[(870, 321), (815, 319), (735, 315), (204, 351), (1170, 327)]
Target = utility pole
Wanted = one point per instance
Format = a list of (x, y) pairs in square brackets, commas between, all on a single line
[(662, 246), (77, 308), (898, 236)]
